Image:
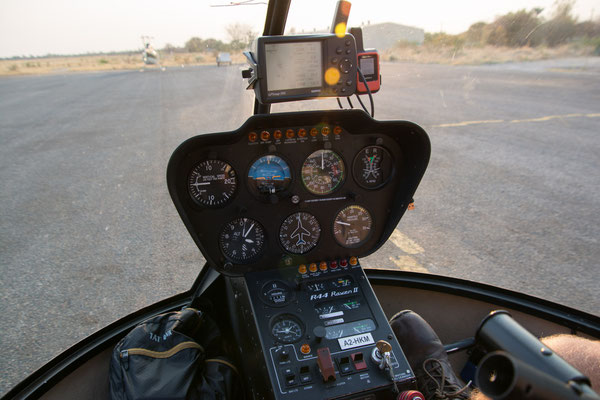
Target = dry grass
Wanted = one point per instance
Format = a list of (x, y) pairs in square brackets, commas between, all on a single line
[(481, 54), (50, 65), (403, 52)]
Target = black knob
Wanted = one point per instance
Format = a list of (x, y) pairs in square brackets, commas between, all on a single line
[(284, 355), (319, 333)]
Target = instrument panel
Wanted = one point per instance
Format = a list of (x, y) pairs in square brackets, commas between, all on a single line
[(292, 188)]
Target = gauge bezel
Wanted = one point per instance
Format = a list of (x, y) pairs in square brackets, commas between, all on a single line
[(340, 183), (291, 295), (246, 260), (387, 180), (316, 242), (220, 205), (265, 197), (288, 316), (362, 242)]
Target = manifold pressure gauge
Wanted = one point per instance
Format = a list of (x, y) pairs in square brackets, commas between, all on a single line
[(352, 226), (242, 240), (212, 183)]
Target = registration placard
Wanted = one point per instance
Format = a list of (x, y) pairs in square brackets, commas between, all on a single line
[(356, 341)]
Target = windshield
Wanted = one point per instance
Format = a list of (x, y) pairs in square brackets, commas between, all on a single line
[(96, 95)]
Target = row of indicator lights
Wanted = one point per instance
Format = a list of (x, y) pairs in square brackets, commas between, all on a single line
[(313, 267), (290, 133)]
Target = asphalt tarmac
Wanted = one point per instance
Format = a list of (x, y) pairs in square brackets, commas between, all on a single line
[(88, 232)]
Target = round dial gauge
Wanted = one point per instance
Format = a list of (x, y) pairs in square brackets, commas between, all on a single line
[(287, 328), (299, 233), (373, 167), (269, 174), (212, 183), (242, 239), (352, 226), (323, 172), (276, 293)]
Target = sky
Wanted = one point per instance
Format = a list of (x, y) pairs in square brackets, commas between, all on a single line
[(39, 27)]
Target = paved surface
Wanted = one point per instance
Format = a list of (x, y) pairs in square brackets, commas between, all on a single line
[(88, 232)]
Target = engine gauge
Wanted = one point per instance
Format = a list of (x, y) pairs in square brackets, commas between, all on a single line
[(286, 328), (299, 232), (212, 183), (352, 226), (276, 293), (323, 172), (242, 240), (373, 167), (269, 175)]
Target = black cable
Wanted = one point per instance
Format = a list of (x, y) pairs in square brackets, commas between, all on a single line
[(361, 103), (362, 78), (339, 103), (349, 102)]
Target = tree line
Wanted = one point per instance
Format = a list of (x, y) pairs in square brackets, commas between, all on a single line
[(525, 28)]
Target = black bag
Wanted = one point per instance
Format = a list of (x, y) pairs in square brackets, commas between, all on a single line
[(165, 357)]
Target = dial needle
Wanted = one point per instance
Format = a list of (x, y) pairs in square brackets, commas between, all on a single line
[(249, 241), (249, 229), (342, 223), (322, 160)]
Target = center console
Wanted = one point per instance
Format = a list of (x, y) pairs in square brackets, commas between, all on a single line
[(317, 330)]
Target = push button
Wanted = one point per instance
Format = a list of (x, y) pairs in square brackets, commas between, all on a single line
[(339, 50)]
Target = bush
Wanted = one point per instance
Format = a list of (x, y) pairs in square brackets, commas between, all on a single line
[(102, 61)]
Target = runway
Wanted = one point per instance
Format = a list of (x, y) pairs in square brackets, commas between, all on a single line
[(89, 233)]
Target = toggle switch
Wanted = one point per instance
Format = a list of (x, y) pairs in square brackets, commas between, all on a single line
[(359, 361)]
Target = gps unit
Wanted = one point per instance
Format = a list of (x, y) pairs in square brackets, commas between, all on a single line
[(301, 67)]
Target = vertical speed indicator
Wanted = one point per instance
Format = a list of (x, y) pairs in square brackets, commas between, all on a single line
[(212, 183)]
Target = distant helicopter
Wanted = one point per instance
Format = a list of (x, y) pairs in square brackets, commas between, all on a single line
[(149, 55)]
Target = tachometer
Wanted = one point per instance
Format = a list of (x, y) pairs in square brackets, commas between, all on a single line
[(322, 172), (212, 183), (352, 226), (242, 240), (287, 328), (269, 174), (373, 167), (299, 232)]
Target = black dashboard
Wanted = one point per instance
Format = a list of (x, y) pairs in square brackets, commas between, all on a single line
[(283, 207), (296, 188)]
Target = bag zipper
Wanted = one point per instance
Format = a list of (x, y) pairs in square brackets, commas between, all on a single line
[(124, 354)]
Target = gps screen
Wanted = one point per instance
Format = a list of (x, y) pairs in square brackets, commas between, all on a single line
[(293, 65), (367, 66)]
